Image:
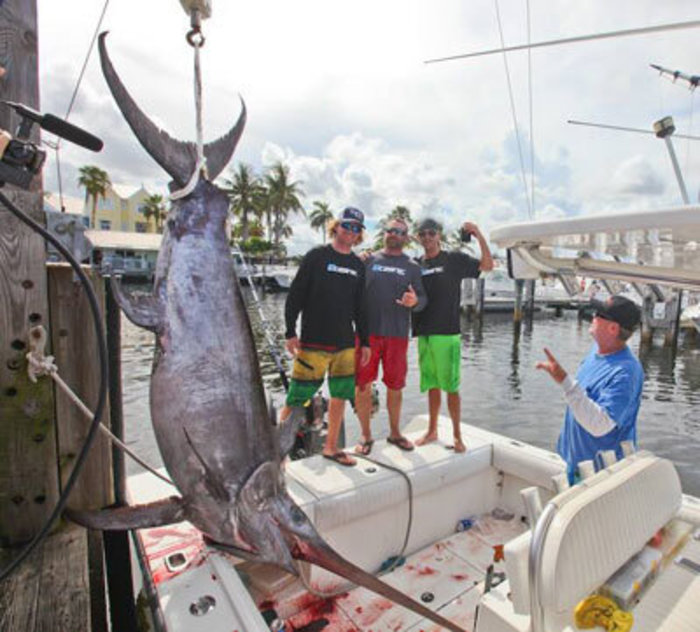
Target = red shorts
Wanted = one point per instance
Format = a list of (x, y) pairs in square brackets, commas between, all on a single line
[(392, 353)]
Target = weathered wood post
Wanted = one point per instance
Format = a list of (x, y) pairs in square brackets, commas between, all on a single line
[(529, 298), (28, 473), (518, 307), (480, 297), (673, 316), (74, 346), (647, 329)]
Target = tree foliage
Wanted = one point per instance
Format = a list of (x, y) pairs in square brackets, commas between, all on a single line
[(96, 183)]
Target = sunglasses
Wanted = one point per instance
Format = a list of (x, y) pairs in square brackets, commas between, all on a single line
[(396, 231), (352, 227), (427, 233)]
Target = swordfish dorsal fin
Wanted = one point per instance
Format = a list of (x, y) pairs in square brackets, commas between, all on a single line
[(178, 158)]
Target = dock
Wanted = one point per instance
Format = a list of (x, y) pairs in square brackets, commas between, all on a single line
[(59, 588)]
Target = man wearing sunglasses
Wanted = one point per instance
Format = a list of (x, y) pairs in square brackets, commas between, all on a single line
[(329, 293), (437, 327), (394, 291), (603, 400)]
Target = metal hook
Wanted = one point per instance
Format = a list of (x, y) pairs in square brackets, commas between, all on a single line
[(196, 23), (199, 42)]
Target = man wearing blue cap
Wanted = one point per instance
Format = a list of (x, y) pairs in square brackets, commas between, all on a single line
[(329, 293), (603, 400)]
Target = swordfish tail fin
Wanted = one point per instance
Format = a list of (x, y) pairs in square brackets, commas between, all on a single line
[(177, 158)]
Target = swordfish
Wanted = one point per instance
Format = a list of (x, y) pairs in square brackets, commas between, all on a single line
[(208, 408)]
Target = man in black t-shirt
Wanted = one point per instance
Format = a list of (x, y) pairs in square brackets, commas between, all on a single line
[(329, 292), (437, 326)]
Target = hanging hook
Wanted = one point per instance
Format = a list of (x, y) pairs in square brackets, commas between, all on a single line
[(195, 37)]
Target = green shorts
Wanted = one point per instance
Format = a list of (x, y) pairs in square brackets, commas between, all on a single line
[(440, 359), (311, 366)]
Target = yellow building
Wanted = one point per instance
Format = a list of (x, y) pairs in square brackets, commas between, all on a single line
[(120, 209)]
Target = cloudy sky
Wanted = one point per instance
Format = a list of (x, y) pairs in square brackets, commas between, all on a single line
[(340, 93)]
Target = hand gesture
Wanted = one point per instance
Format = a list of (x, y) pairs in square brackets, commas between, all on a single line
[(293, 346), (552, 367), (409, 298)]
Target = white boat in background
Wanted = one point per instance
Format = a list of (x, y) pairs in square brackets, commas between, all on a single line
[(436, 523)]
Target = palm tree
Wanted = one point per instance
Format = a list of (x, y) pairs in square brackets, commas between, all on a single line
[(96, 182), (245, 192), (282, 198), (153, 206), (320, 216)]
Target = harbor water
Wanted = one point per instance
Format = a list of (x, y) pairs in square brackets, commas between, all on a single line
[(501, 389)]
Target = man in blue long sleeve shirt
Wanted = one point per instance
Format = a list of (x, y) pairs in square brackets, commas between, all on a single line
[(604, 400)]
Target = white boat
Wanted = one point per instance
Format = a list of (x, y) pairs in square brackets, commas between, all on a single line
[(439, 520), (500, 293)]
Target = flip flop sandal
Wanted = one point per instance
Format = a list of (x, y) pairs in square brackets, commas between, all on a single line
[(340, 458), (365, 447), (401, 442)]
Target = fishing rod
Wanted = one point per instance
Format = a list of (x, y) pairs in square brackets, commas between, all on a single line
[(271, 344)]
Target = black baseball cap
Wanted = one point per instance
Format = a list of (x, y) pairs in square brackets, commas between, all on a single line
[(429, 224), (352, 214), (620, 310)]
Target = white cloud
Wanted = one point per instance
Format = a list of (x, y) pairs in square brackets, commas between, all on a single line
[(341, 94)]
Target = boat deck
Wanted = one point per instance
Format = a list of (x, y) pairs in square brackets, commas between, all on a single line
[(450, 572)]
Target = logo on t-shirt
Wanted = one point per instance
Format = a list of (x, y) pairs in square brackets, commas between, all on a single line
[(427, 271), (390, 269), (332, 267)]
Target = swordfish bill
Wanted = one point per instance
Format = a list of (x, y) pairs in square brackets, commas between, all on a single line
[(207, 400)]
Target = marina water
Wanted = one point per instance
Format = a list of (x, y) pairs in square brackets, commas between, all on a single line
[(501, 390)]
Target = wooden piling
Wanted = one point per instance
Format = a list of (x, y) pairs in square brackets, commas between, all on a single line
[(28, 474), (60, 586), (518, 307), (529, 298), (480, 297), (74, 344)]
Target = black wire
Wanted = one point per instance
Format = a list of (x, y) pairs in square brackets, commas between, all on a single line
[(102, 395)]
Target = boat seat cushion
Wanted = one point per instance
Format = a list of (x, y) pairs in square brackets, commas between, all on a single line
[(600, 524), (597, 530)]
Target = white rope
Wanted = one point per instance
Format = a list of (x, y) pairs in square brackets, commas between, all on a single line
[(40, 365), (532, 113), (196, 42), (512, 111)]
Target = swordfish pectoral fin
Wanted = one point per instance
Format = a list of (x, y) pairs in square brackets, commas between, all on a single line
[(143, 310), (155, 514)]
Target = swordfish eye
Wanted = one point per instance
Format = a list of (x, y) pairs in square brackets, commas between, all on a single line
[(298, 516)]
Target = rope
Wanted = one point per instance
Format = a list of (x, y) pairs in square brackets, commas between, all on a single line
[(532, 114), (74, 96), (196, 40), (512, 111), (40, 365)]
